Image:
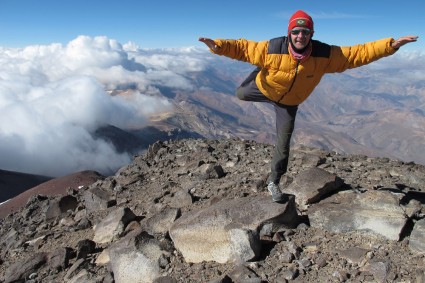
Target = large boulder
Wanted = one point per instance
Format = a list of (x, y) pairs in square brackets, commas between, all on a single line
[(228, 231), (311, 185), (417, 238), (376, 212), (113, 225), (135, 258)]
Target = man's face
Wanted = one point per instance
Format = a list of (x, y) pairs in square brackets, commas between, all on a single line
[(300, 37)]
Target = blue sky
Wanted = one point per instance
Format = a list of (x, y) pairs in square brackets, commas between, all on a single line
[(170, 23)]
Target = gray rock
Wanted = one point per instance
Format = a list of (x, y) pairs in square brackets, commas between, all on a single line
[(180, 199), (165, 279), (153, 149), (379, 270), (223, 279), (311, 185), (322, 261), (10, 240), (289, 274), (97, 199), (245, 245), (20, 271), (135, 258), (293, 249), (354, 255), (85, 247), (59, 258), (60, 205), (376, 212), (111, 228), (417, 237), (420, 276), (82, 276), (125, 180), (209, 171), (74, 269), (286, 257), (205, 235), (242, 274), (340, 275), (160, 222)]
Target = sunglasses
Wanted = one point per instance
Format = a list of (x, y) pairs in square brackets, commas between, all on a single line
[(303, 31)]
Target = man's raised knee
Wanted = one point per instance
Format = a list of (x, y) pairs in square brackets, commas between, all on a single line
[(240, 93)]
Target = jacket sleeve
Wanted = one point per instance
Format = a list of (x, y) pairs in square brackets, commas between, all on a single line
[(343, 58), (243, 50)]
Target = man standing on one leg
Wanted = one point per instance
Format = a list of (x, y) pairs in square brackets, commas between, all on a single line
[(285, 120), (288, 70)]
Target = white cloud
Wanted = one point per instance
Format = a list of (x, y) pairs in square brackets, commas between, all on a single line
[(411, 60), (177, 63), (53, 96), (407, 65)]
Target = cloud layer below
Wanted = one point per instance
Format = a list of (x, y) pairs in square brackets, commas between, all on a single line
[(53, 97)]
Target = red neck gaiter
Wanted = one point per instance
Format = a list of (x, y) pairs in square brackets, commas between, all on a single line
[(301, 56)]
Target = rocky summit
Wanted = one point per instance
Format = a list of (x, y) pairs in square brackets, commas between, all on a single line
[(198, 210)]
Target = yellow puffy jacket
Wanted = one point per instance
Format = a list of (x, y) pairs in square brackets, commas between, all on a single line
[(287, 81)]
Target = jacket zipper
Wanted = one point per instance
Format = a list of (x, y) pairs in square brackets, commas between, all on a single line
[(293, 81)]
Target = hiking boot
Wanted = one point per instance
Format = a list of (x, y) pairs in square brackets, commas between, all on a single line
[(275, 192)]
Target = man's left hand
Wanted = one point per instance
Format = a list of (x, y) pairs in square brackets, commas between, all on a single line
[(403, 40)]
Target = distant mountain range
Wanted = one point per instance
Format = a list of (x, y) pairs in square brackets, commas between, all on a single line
[(366, 111)]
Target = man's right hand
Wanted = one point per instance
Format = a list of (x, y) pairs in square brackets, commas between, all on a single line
[(210, 43)]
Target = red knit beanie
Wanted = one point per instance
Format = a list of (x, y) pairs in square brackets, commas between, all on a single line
[(300, 19)]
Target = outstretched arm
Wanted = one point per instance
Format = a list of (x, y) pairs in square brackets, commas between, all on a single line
[(403, 40), (210, 43), (239, 49)]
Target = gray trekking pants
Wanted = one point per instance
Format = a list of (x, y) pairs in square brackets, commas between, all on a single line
[(285, 121)]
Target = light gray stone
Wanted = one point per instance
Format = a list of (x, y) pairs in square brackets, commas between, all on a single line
[(311, 185), (60, 205), (206, 234), (245, 245), (59, 258), (242, 274), (97, 199), (134, 258), (82, 277), (354, 255), (379, 270), (161, 222), (376, 212), (19, 271), (417, 237), (110, 228), (180, 199), (209, 171)]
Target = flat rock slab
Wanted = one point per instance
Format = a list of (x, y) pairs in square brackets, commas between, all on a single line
[(376, 212), (417, 238), (135, 258), (311, 185), (209, 234)]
